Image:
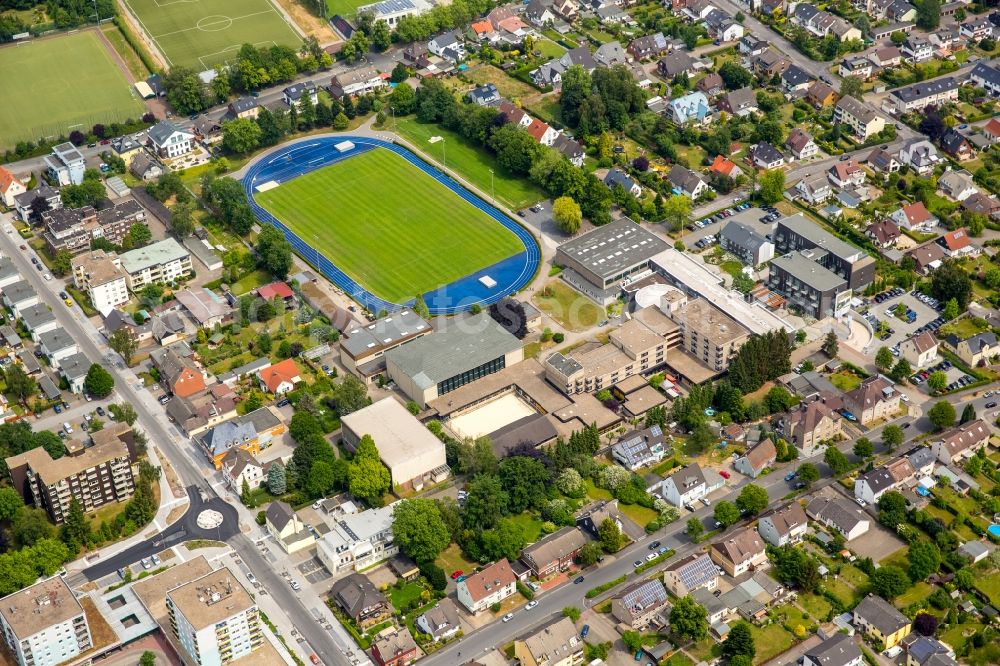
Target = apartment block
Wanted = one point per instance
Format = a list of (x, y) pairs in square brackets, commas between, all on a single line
[(164, 261), (215, 619), (357, 541), (94, 476), (100, 275), (709, 334), (44, 624), (853, 264)]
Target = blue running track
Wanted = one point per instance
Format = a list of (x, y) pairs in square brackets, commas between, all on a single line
[(288, 162)]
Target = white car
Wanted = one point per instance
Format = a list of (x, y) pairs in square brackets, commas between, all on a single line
[(508, 617), (296, 585), (861, 502), (47, 276), (531, 604), (904, 397)]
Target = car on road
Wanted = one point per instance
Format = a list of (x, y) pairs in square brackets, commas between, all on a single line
[(314, 659), (251, 578), (991, 404), (861, 502), (24, 247), (585, 631), (508, 617), (637, 563), (906, 425), (800, 485), (578, 580), (789, 476), (531, 604), (654, 545), (521, 213), (455, 574), (164, 399), (706, 501), (296, 585)]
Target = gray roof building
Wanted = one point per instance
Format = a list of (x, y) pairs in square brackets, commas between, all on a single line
[(838, 650), (879, 613)]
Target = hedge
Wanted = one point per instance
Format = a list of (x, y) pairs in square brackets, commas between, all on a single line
[(137, 46), (593, 592)]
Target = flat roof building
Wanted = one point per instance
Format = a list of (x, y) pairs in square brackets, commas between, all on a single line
[(801, 277), (412, 453), (797, 232), (709, 334), (163, 261), (44, 624), (606, 256), (460, 352), (363, 346)]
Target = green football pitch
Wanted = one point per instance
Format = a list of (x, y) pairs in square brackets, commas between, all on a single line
[(53, 86), (390, 226), (207, 33)]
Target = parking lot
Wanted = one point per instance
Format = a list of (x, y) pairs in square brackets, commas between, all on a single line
[(711, 226), (881, 309), (313, 571)]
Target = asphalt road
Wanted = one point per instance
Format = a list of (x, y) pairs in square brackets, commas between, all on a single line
[(152, 420)]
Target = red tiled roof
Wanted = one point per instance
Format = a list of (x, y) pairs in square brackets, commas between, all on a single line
[(537, 129), (482, 584), (7, 179), (286, 371), (956, 240), (482, 27), (269, 291), (916, 213), (722, 166), (993, 127)]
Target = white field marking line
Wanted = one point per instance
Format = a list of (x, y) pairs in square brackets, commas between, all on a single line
[(148, 33), (228, 49), (196, 27), (175, 2)]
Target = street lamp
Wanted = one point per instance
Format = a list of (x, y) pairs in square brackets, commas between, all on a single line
[(444, 152), (493, 197)]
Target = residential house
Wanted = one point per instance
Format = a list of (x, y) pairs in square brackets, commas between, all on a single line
[(722, 27), (253, 432), (287, 528), (554, 553), (855, 66), (955, 144), (555, 644), (815, 189), (538, 13), (810, 426), (638, 605), (673, 64), (840, 515), (920, 350), (751, 46), (360, 600), (356, 82), (484, 95), (878, 619), (543, 133), (992, 130), (145, 167), (549, 74), (692, 107), (874, 483), (920, 155), (914, 217), (883, 162), (640, 448), (447, 45), (916, 49), (976, 28), (10, 187), (986, 75), (821, 95), (982, 204), (567, 9), (169, 140), (648, 46), (741, 102), (66, 164), (244, 107), (927, 257), (686, 181), (960, 443), (689, 484), (919, 96), (784, 526), (739, 552), (492, 585), (801, 144), (795, 81), (766, 156), (874, 400), (394, 647), (179, 374), (837, 650), (883, 233), (711, 84), (770, 63), (691, 573), (758, 458), (957, 184), (358, 540), (618, 178), (23, 202), (957, 243), (887, 56), (579, 56), (722, 166), (441, 622), (239, 466), (611, 54), (571, 149), (280, 378), (746, 243), (863, 121)]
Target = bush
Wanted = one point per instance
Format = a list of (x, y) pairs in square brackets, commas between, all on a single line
[(496, 607)]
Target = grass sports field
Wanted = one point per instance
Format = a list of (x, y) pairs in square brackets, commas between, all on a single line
[(53, 86), (206, 33), (389, 225), (345, 8)]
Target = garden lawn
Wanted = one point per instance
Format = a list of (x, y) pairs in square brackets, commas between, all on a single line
[(770, 641), (815, 605), (531, 526), (56, 85), (990, 586), (570, 308), (471, 162), (845, 381), (393, 228), (402, 596), (637, 513), (963, 328), (508, 86), (844, 593), (208, 33), (595, 493), (918, 593), (451, 559), (954, 635), (251, 281)]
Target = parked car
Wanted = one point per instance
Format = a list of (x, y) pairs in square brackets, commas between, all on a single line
[(508, 617)]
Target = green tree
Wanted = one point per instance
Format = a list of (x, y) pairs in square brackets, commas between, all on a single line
[(31, 525), (924, 558), (968, 414), (572, 612), (778, 399), (889, 581), (632, 640), (883, 358), (942, 415), (147, 659), (10, 503), (98, 382), (241, 136), (772, 186), (950, 280), (735, 76), (901, 370), (726, 513), (350, 395), (830, 345), (403, 99), (937, 381), (677, 211), (695, 529), (589, 554), (808, 474), (739, 642), (891, 509), (892, 436), (245, 492), (610, 536), (837, 461), (567, 215), (139, 235), (75, 530), (852, 86), (19, 383), (419, 529), (525, 481), (486, 503), (752, 499), (62, 263), (125, 342), (368, 478), (688, 619), (863, 448), (123, 412), (928, 14), (274, 251), (277, 480)]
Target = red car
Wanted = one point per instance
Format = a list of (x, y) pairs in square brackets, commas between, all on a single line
[(724, 474), (456, 574)]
